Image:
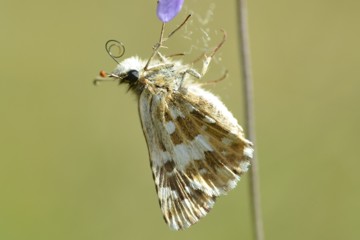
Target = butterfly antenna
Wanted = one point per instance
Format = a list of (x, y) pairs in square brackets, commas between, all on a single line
[(111, 45)]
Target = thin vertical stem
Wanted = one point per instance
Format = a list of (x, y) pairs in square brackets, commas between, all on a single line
[(249, 117)]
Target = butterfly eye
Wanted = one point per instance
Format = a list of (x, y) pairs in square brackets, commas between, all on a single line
[(132, 76)]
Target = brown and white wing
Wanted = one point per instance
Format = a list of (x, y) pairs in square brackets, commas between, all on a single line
[(197, 152)]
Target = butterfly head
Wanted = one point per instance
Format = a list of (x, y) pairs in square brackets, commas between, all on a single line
[(128, 71)]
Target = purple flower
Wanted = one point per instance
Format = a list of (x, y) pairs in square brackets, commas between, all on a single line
[(168, 9)]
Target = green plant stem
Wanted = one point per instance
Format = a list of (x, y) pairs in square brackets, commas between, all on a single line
[(249, 117)]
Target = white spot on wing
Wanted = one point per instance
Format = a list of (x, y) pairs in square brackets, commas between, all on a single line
[(244, 165), (175, 113), (175, 194), (203, 142), (209, 119), (199, 183), (182, 154), (232, 183), (164, 192), (165, 156), (187, 203), (189, 107), (226, 141), (194, 150), (248, 152), (170, 127), (202, 211), (203, 171), (173, 224)]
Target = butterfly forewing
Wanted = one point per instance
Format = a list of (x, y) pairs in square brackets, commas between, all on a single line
[(197, 151)]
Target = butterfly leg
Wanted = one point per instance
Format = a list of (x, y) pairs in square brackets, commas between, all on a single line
[(191, 72), (208, 58), (160, 67), (158, 45)]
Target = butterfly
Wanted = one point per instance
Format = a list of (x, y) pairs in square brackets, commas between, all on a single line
[(196, 147)]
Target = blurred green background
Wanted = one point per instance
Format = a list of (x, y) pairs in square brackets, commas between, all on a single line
[(73, 160)]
